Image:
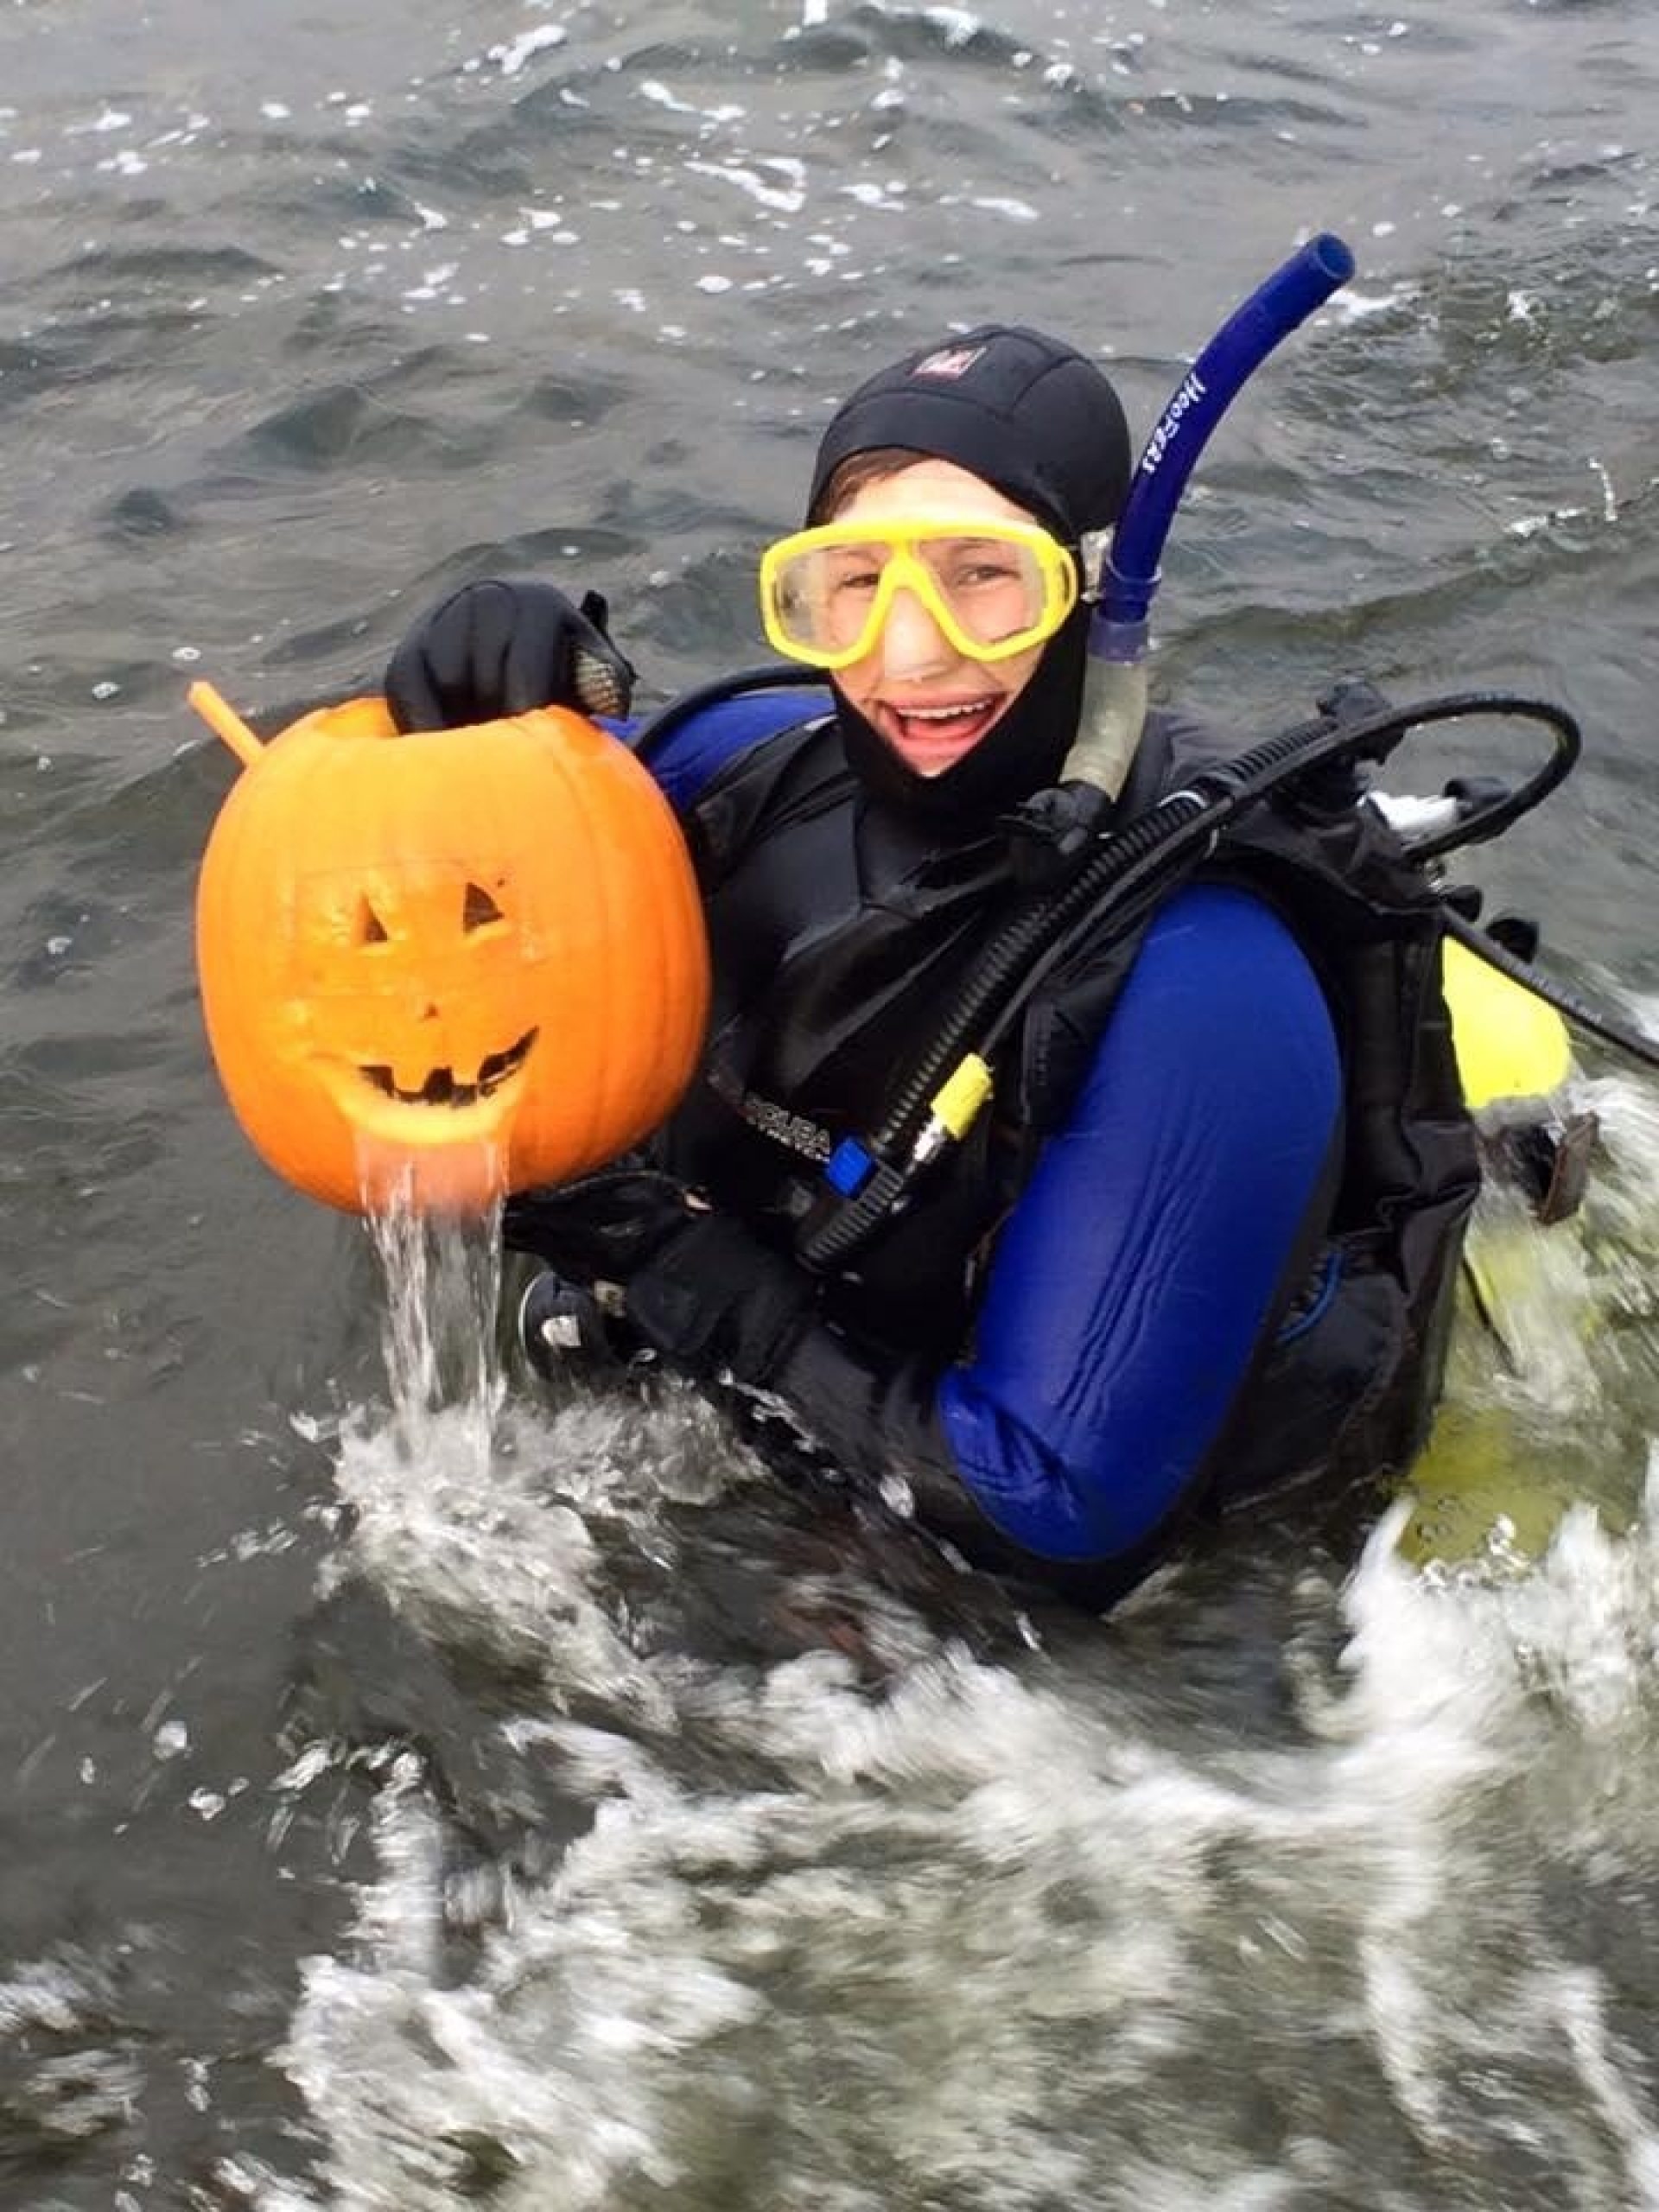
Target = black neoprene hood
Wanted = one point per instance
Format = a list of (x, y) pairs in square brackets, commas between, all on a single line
[(1030, 415), (1037, 420)]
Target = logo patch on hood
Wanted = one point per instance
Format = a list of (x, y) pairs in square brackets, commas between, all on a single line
[(949, 361)]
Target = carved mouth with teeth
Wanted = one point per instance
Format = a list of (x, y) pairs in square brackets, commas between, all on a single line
[(442, 1087)]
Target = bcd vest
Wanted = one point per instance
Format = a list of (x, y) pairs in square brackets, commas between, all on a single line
[(839, 933)]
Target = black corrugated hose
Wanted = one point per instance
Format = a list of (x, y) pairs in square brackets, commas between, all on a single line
[(1125, 874)]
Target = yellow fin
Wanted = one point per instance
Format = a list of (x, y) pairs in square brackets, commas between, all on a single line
[(1510, 1043)]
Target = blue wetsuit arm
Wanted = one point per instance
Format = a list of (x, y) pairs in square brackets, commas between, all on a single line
[(694, 748), (1135, 1283), (1129, 1290)]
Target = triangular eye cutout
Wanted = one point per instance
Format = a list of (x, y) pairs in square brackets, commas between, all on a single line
[(480, 908), (370, 929)]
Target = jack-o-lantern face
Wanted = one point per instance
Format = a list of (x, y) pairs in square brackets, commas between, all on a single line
[(442, 965), (411, 982)]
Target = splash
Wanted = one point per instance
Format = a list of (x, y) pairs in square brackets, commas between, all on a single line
[(1011, 1937), (470, 1513), (1555, 1371), (1085, 1923)]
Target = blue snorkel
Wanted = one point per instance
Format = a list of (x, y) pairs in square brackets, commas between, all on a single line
[(1114, 685)]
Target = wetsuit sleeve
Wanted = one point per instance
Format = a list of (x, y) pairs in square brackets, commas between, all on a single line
[(1146, 1266), (1131, 1288)]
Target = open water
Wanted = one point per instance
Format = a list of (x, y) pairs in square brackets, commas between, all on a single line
[(418, 1797)]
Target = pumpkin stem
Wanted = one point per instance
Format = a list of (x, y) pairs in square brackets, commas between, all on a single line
[(223, 720)]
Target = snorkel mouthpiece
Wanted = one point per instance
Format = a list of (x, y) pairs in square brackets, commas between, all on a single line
[(1114, 681)]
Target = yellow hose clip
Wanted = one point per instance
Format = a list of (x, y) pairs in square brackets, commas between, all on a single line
[(957, 1101)]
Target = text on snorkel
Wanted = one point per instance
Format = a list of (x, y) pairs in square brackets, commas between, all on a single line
[(1191, 391)]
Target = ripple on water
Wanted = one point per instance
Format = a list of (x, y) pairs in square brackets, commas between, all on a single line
[(967, 1934), (1015, 1927)]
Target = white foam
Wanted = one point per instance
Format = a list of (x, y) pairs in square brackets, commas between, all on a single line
[(959, 28), (896, 1864), (512, 55), (779, 181), (1016, 210), (832, 1921), (1350, 304)]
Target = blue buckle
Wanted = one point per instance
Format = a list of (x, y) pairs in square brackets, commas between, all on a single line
[(848, 1167)]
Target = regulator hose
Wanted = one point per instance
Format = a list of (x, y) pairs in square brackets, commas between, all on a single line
[(1128, 871), (1490, 807)]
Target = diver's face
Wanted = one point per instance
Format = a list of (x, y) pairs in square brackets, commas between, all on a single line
[(931, 704)]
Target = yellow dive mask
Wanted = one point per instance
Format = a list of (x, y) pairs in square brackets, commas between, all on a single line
[(995, 588)]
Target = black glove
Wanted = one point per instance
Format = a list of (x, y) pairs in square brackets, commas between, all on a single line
[(566, 1330), (704, 1293), (723, 1307), (602, 1226), (717, 1301), (494, 649)]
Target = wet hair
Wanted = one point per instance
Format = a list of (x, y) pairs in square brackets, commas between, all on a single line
[(855, 474)]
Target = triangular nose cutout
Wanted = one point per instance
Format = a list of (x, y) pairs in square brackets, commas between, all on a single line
[(370, 929), (480, 908)]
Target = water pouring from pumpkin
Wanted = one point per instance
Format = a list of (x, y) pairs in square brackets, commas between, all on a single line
[(437, 969)]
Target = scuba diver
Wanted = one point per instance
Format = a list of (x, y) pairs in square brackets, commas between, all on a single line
[(1202, 1242)]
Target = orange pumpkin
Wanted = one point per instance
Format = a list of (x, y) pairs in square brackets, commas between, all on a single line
[(441, 966)]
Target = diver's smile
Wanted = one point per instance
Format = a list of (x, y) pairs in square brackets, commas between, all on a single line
[(930, 703), (932, 735)]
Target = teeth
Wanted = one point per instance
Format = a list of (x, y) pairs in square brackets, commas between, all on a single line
[(442, 1087), (943, 713)]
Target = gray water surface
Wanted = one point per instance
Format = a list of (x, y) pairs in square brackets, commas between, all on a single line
[(425, 1800)]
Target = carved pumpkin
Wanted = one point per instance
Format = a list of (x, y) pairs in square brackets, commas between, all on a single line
[(441, 966)]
